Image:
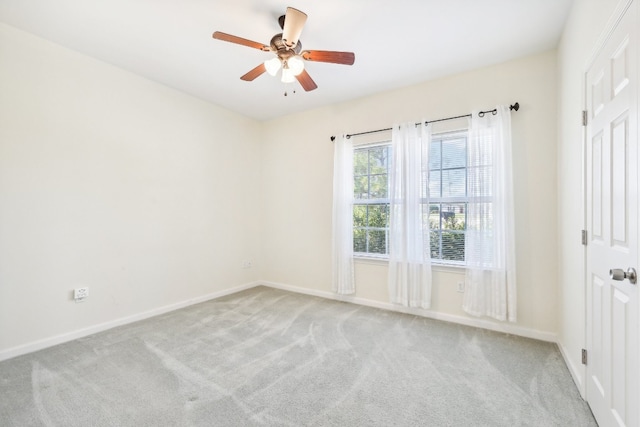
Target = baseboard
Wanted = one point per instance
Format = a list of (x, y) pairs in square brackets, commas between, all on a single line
[(80, 333), (577, 372), (478, 323)]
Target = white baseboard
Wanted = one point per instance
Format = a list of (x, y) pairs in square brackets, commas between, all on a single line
[(577, 372), (478, 323), (80, 333), (467, 321)]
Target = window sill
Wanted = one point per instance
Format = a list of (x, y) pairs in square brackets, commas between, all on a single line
[(384, 260), (371, 259)]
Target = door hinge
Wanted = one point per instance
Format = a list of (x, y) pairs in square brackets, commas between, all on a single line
[(584, 237), (584, 356), (584, 117)]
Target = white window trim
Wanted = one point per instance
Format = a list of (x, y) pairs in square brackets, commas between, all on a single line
[(383, 260)]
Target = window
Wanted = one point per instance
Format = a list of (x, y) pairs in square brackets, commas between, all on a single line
[(371, 199), (447, 209), (448, 196)]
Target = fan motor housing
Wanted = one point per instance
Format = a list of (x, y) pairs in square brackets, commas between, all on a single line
[(281, 49)]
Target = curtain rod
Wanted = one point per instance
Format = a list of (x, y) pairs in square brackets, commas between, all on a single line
[(515, 107)]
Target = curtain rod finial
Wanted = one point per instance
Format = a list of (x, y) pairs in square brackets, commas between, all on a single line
[(333, 138), (515, 106)]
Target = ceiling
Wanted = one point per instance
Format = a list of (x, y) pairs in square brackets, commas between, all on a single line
[(397, 43)]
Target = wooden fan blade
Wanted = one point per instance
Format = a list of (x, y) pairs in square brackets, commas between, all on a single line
[(281, 21), (239, 40), (256, 72), (346, 58), (306, 81)]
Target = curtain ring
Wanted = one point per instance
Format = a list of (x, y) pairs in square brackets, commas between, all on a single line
[(481, 114)]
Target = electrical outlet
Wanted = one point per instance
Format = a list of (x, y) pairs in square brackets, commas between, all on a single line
[(460, 286), (80, 294), (246, 264)]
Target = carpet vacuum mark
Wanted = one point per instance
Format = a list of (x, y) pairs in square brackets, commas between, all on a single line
[(275, 358)]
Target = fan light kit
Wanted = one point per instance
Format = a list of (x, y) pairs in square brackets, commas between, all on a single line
[(290, 58)]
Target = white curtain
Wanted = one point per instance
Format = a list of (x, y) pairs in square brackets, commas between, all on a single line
[(490, 236), (409, 253), (342, 233)]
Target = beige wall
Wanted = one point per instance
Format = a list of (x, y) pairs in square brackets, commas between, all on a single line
[(152, 198), (297, 161), (586, 23), (147, 196)]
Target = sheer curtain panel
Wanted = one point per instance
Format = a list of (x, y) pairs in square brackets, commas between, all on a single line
[(409, 255), (490, 236), (342, 233)]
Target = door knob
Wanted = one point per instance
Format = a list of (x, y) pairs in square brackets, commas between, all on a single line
[(619, 274)]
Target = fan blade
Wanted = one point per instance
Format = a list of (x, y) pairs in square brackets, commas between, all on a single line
[(306, 81), (253, 74), (293, 22), (281, 22), (346, 58), (239, 40)]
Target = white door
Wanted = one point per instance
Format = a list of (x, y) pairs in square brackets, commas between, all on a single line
[(612, 226)]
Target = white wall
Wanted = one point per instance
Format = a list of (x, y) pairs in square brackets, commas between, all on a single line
[(297, 178), (587, 20), (147, 196)]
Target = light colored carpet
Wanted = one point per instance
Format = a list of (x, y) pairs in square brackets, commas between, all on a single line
[(269, 357)]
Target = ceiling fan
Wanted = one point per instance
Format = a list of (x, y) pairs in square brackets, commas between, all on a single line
[(289, 54)]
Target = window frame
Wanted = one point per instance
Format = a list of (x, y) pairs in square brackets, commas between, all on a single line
[(441, 201), (368, 202), (451, 200)]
